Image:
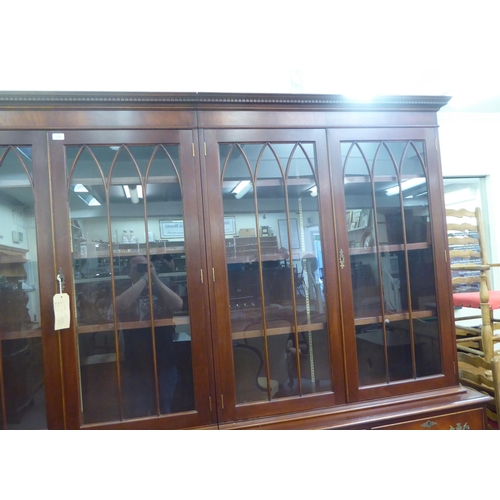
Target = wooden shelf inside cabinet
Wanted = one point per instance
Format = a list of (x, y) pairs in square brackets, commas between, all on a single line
[(130, 325), (388, 248), (368, 320), (102, 250), (246, 334), (241, 259), (22, 334), (378, 178), (106, 279)]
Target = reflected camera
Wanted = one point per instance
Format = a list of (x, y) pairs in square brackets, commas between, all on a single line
[(142, 268)]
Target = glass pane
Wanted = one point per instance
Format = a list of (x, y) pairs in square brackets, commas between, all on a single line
[(389, 213), (361, 224), (423, 302), (397, 337), (370, 348), (130, 280), (420, 262), (360, 220), (273, 251), (93, 268), (22, 390)]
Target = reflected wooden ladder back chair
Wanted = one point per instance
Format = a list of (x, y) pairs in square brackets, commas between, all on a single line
[(478, 363), (481, 369), (467, 249)]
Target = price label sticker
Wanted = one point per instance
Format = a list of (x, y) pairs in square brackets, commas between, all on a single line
[(61, 311)]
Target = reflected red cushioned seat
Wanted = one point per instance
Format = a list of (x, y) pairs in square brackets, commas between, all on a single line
[(471, 299)]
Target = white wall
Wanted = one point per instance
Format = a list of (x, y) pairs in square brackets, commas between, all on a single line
[(12, 219), (469, 143)]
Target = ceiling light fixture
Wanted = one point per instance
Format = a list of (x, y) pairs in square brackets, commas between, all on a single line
[(134, 193), (408, 184), (89, 200), (80, 188), (241, 189), (313, 191)]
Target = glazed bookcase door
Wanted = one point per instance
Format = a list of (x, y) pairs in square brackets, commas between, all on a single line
[(267, 192), (394, 260), (137, 352), (29, 355)]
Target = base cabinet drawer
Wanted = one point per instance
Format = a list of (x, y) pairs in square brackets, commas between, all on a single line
[(462, 420)]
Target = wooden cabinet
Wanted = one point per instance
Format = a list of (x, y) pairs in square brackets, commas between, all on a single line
[(302, 243), (460, 420), (21, 356)]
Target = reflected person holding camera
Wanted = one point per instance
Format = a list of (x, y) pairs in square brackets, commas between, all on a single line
[(135, 304)]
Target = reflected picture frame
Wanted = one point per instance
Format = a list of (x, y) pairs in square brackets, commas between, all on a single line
[(294, 233), (229, 225), (355, 217), (172, 229), (348, 218), (365, 218)]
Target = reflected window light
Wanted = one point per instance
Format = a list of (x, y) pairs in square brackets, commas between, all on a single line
[(458, 196), (25, 152)]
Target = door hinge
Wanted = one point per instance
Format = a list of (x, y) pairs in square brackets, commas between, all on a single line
[(222, 401), (201, 276), (213, 274), (446, 256), (192, 148), (210, 402), (205, 148)]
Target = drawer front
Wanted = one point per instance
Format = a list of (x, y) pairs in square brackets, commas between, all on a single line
[(462, 420)]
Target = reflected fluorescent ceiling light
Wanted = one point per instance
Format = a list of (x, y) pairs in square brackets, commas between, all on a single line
[(241, 189), (89, 200), (313, 191), (410, 183), (133, 192)]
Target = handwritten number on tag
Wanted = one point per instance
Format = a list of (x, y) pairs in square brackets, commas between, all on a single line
[(61, 311)]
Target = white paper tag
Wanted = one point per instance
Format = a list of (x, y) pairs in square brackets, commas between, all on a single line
[(61, 311), (58, 136)]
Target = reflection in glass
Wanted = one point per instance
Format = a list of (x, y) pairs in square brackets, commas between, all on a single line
[(22, 390), (274, 258), (362, 236), (392, 267), (130, 284)]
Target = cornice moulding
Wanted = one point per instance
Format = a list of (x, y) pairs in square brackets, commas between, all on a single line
[(100, 100)]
